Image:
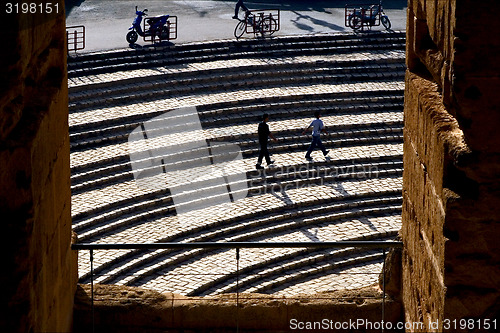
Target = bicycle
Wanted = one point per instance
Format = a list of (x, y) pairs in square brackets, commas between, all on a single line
[(263, 23)]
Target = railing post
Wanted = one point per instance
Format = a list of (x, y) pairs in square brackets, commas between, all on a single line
[(75, 39), (83, 37), (92, 287), (75, 36), (383, 290), (238, 245), (237, 289)]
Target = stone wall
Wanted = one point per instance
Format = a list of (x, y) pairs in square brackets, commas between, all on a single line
[(121, 309), (451, 191), (39, 271)]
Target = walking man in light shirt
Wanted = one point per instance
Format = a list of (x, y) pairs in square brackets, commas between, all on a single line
[(317, 128)]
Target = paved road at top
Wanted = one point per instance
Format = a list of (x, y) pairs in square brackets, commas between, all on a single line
[(107, 21)]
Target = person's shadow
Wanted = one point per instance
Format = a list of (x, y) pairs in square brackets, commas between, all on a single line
[(314, 21)]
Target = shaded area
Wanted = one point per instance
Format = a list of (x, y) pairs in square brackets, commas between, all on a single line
[(70, 4), (319, 6)]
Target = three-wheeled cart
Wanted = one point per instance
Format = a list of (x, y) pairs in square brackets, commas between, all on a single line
[(359, 17)]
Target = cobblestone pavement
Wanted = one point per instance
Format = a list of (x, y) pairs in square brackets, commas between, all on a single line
[(231, 63), (103, 196), (162, 228), (356, 207), (225, 264), (115, 112)]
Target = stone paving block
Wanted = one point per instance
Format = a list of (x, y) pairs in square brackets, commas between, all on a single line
[(202, 270)]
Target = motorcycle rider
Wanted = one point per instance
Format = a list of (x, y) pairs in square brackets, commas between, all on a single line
[(239, 4)]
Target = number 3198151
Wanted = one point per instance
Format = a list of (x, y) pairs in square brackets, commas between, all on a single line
[(32, 8)]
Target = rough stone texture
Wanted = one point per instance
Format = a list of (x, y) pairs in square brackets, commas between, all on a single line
[(391, 280), (130, 309), (39, 269), (451, 181)]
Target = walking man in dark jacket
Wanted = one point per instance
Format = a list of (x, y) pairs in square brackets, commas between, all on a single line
[(264, 134)]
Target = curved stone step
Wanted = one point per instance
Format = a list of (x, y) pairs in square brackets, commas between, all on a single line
[(292, 41), (95, 84), (286, 262), (200, 52), (358, 276), (226, 113), (147, 81), (143, 269), (318, 271), (121, 172), (109, 113), (96, 201), (344, 137), (105, 172), (248, 80), (97, 135), (251, 276), (81, 160), (162, 207), (393, 161), (238, 227), (118, 91)]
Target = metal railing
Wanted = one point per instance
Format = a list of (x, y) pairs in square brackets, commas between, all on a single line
[(262, 21), (75, 37), (382, 245)]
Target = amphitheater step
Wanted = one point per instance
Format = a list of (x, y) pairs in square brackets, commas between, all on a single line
[(308, 208), (354, 80), (96, 201), (250, 80), (95, 177), (106, 154), (296, 265), (201, 52), (91, 135), (160, 262), (157, 207)]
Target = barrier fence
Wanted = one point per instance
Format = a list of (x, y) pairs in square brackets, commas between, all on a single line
[(75, 37), (237, 246)]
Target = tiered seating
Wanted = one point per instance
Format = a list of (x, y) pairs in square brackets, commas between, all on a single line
[(357, 84)]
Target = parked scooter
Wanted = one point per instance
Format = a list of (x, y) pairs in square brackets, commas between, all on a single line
[(158, 27)]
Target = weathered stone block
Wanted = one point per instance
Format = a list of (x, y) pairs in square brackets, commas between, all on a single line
[(128, 309), (451, 204), (41, 269)]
